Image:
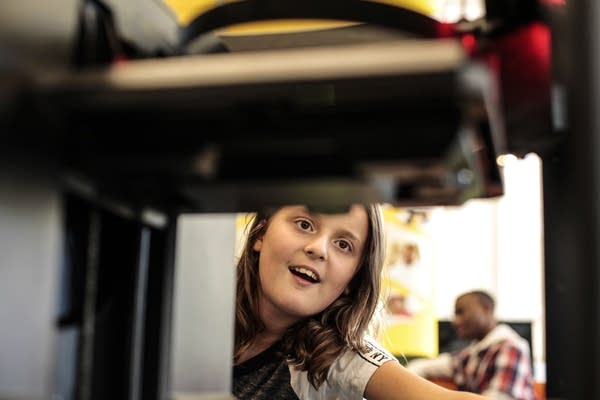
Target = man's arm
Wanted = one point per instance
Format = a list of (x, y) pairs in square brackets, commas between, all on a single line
[(439, 367)]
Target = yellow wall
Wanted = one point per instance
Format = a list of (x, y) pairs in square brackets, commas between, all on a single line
[(410, 322)]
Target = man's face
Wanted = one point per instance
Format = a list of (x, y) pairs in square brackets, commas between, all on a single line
[(472, 319)]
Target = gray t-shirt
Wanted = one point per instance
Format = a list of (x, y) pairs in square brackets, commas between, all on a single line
[(268, 376)]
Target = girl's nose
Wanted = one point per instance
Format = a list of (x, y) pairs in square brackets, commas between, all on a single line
[(317, 248)]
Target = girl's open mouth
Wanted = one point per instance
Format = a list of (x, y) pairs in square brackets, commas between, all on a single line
[(305, 274)]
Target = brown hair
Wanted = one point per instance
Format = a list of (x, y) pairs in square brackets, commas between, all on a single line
[(314, 343)]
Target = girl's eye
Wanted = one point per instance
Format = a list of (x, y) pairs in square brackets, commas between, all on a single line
[(344, 245), (304, 225)]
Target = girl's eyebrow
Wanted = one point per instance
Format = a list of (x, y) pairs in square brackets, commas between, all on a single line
[(302, 209), (343, 232), (350, 235)]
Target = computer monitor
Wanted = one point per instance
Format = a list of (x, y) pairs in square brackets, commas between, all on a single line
[(448, 340)]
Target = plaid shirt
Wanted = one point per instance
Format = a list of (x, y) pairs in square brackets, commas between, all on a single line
[(499, 366)]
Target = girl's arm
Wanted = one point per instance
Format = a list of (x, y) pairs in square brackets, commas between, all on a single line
[(393, 381)]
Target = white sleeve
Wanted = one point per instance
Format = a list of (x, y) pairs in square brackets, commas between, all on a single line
[(348, 375), (497, 395), (439, 367)]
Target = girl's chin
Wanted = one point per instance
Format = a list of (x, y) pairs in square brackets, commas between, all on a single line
[(298, 312)]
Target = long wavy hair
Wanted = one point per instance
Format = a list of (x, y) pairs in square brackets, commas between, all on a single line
[(314, 343)]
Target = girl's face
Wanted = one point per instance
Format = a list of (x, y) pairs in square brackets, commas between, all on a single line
[(307, 260)]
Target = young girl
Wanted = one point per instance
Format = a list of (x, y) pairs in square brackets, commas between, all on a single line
[(307, 287)]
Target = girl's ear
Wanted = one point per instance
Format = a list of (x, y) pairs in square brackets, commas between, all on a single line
[(257, 244)]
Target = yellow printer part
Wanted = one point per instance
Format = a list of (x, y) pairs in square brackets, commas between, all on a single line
[(186, 11)]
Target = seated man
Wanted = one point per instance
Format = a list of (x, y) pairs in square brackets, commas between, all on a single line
[(496, 364)]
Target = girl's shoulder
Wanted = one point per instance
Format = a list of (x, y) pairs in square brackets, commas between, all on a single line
[(374, 352), (348, 375), (264, 376)]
